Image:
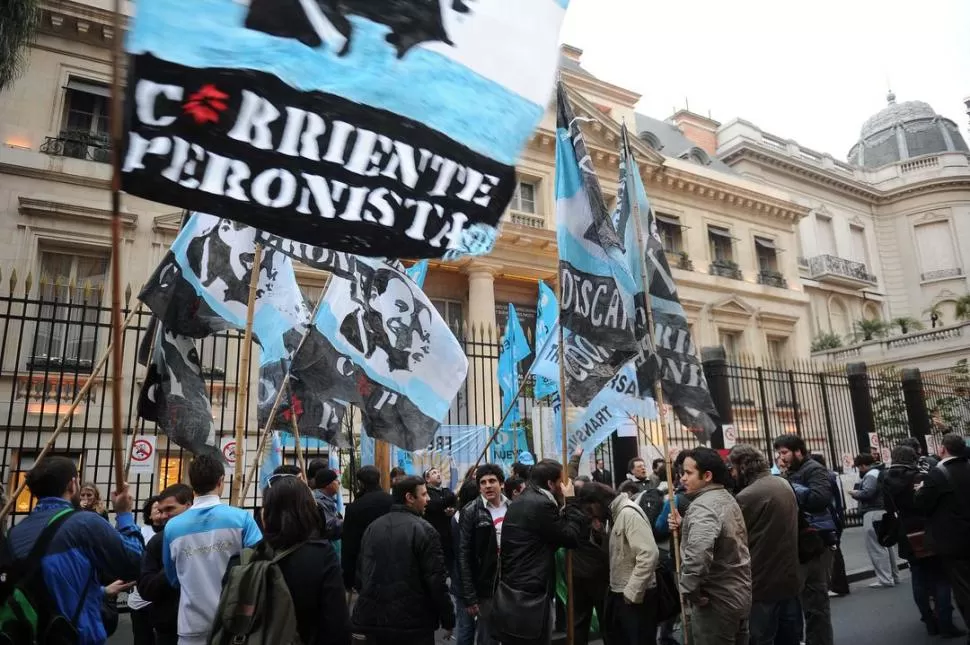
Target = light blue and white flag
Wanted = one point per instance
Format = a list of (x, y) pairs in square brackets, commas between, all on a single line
[(597, 307), (272, 460), (371, 127), (418, 272), (515, 348), (378, 343), (547, 317)]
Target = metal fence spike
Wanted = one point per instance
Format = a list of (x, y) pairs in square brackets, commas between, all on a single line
[(13, 281), (29, 282), (128, 293)]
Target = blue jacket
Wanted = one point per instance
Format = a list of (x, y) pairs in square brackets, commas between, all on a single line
[(84, 549)]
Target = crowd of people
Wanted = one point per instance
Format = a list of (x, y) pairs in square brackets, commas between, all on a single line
[(758, 549)]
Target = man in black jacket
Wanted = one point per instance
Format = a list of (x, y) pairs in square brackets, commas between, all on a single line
[(601, 475), (401, 574), (944, 498), (441, 506), (814, 493), (370, 503), (534, 528), (480, 538), (152, 583)]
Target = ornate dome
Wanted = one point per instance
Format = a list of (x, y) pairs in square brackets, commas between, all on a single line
[(902, 131)]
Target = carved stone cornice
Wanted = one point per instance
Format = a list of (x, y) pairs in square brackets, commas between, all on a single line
[(30, 207)]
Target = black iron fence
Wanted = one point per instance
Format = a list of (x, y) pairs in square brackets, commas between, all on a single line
[(51, 346)]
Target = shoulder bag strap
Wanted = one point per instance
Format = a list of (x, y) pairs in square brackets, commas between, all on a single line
[(282, 554), (80, 604), (47, 536)]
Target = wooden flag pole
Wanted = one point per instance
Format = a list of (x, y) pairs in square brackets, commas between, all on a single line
[(284, 387), (382, 460), (242, 383), (570, 609), (658, 394), (69, 413), (117, 348)]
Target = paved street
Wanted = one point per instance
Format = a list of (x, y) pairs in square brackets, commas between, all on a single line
[(883, 616)]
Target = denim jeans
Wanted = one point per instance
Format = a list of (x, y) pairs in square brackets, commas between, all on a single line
[(930, 581), (776, 622), (464, 624), (813, 577)]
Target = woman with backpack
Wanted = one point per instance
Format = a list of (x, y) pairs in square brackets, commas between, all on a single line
[(310, 572)]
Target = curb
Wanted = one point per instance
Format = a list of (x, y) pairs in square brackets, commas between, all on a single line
[(865, 574)]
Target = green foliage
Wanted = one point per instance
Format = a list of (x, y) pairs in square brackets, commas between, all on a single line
[(906, 324), (889, 407), (826, 341), (963, 308), (18, 22), (866, 330), (936, 310), (952, 402)]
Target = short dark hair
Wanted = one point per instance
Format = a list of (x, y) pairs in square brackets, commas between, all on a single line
[(290, 514), (397, 471), (863, 459), (51, 476), (955, 444), (912, 442), (313, 467), (521, 470), (403, 487), (146, 510), (489, 469), (653, 465), (630, 464), (545, 471), (629, 488), (205, 471), (369, 479), (467, 493), (904, 454), (181, 492), (709, 461), (792, 442), (288, 469), (512, 484)]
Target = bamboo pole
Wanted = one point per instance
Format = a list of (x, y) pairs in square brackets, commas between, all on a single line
[(570, 609), (69, 414), (658, 395), (382, 460), (117, 348), (242, 386), (284, 387)]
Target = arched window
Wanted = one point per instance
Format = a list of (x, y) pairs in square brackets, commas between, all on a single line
[(871, 311), (651, 140), (696, 155), (838, 317)]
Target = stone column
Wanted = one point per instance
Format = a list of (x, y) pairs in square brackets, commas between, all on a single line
[(484, 400)]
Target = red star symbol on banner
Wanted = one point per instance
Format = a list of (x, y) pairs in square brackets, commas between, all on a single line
[(206, 104)]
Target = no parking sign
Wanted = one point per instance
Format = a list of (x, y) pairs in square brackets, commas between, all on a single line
[(143, 455)]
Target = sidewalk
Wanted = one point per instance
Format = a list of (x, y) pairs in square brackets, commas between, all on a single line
[(857, 565)]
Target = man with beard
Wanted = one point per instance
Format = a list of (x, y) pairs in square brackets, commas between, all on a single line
[(715, 565), (81, 547), (441, 506), (152, 584), (771, 518), (817, 541)]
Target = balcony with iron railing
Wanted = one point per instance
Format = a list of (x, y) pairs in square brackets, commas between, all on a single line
[(726, 269), (913, 346), (840, 271), (679, 260), (78, 145), (772, 278)]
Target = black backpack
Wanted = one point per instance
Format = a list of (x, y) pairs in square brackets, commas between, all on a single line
[(651, 502), (28, 612)]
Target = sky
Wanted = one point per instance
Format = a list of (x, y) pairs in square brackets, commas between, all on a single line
[(808, 71)]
